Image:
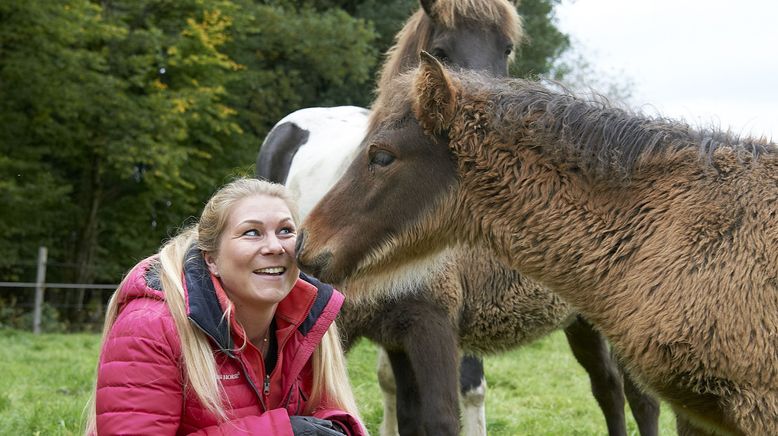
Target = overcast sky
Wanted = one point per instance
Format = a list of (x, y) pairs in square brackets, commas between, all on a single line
[(707, 62)]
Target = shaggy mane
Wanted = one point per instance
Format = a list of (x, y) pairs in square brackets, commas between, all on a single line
[(605, 138)]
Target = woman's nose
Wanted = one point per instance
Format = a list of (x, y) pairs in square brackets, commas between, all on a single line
[(272, 245)]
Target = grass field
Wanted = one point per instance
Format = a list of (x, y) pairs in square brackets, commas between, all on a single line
[(537, 390)]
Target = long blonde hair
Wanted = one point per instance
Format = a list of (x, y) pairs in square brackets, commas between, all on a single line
[(330, 377)]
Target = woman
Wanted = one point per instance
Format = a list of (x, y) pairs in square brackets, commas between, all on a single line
[(219, 333)]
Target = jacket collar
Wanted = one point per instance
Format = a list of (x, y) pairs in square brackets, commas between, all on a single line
[(301, 308), (203, 306)]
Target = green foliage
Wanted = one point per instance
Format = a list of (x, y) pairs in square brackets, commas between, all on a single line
[(536, 390), (544, 43), (118, 119), (294, 58)]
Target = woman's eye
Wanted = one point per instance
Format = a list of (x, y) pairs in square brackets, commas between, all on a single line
[(381, 158), (287, 231), (252, 232)]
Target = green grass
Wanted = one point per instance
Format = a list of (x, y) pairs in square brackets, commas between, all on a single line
[(537, 390), (45, 381)]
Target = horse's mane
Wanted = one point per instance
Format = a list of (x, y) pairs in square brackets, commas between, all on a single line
[(416, 33), (604, 138)]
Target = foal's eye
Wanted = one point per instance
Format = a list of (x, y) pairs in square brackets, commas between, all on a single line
[(508, 50), (381, 158)]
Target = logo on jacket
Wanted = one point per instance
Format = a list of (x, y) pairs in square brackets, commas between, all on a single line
[(229, 376)]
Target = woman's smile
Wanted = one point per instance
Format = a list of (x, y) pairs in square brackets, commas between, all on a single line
[(255, 261)]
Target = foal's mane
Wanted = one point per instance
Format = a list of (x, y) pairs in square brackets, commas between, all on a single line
[(417, 32), (604, 138)]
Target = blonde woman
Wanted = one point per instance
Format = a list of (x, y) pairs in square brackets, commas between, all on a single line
[(219, 333)]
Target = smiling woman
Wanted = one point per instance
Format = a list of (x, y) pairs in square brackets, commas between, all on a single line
[(219, 332), (255, 258)]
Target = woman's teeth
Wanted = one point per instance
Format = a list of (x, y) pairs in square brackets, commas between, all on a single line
[(276, 270)]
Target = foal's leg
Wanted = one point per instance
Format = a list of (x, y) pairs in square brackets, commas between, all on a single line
[(645, 408), (591, 350), (472, 385)]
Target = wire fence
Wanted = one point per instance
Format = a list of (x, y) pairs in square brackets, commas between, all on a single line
[(40, 287)]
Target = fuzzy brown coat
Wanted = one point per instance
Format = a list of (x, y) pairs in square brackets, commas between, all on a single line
[(663, 236), (489, 307)]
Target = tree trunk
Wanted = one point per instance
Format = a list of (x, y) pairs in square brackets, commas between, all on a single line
[(87, 243)]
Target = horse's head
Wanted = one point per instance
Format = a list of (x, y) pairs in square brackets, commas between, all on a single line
[(396, 204), (473, 35), (478, 35)]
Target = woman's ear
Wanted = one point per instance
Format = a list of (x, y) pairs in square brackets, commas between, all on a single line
[(210, 260), (435, 93)]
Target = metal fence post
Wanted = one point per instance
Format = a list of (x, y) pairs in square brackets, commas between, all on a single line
[(40, 282)]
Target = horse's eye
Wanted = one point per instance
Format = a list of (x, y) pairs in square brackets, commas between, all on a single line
[(508, 50), (440, 54), (381, 158)]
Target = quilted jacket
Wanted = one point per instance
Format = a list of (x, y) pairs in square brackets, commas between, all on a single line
[(141, 383)]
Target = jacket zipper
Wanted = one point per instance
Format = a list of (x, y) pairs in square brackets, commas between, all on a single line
[(242, 366), (267, 384)]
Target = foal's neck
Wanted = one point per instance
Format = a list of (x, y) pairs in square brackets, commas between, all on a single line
[(566, 230)]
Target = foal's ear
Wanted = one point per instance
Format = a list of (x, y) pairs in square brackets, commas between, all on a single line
[(435, 95)]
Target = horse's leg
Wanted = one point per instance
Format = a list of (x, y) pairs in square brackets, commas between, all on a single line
[(591, 350), (645, 408), (431, 346), (472, 385), (389, 389), (407, 391)]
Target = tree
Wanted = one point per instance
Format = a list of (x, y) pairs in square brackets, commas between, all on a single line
[(544, 43), (118, 118), (120, 111)]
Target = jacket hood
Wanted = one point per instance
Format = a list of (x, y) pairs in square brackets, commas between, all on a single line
[(142, 282), (304, 306)]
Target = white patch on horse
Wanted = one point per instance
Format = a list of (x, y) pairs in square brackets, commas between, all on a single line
[(335, 136)]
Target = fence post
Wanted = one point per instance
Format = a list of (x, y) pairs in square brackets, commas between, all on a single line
[(40, 281)]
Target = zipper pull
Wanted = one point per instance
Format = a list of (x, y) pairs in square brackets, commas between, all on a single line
[(267, 385)]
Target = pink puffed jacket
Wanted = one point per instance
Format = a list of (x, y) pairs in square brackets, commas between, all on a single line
[(141, 384)]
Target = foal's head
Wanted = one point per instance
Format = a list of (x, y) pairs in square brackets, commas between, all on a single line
[(393, 207)]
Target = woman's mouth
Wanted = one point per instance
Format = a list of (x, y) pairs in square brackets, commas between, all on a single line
[(272, 271)]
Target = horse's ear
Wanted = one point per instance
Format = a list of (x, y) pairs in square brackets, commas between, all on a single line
[(435, 95), (427, 6)]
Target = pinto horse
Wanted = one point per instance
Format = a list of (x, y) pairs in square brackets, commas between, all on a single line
[(663, 236), (300, 151)]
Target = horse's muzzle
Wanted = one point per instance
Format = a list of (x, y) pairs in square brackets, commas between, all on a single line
[(315, 266)]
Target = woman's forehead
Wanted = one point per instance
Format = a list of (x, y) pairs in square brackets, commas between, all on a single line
[(259, 207)]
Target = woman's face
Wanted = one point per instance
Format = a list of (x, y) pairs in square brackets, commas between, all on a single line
[(255, 261)]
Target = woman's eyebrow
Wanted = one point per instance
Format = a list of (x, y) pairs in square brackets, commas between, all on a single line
[(252, 221)]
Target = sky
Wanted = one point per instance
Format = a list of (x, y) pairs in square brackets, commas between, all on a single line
[(709, 63)]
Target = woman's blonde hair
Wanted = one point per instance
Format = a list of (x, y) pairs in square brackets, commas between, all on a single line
[(330, 377)]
